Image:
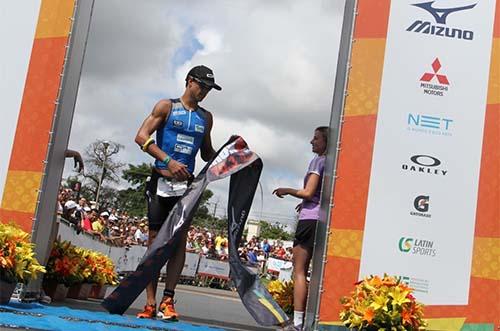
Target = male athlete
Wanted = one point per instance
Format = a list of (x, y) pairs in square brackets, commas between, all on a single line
[(182, 128)]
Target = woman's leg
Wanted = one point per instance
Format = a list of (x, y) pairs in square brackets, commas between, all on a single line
[(301, 259)]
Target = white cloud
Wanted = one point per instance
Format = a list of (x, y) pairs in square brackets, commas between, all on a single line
[(211, 41)]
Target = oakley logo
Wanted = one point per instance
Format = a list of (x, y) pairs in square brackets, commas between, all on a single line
[(440, 14), (424, 164), (418, 160)]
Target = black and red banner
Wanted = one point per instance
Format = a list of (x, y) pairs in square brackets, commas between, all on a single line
[(234, 159)]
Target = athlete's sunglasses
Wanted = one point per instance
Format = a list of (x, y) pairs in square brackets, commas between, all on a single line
[(201, 83)]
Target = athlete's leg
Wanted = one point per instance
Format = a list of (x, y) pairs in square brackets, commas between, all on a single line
[(151, 287), (176, 263)]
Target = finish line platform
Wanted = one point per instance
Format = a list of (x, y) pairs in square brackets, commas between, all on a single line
[(35, 316)]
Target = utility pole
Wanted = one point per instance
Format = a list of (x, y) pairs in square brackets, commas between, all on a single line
[(106, 145), (215, 207)]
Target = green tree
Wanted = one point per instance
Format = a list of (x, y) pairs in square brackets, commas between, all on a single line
[(274, 231), (136, 175), (203, 211), (132, 199)]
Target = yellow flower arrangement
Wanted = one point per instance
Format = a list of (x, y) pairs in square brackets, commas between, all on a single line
[(64, 265), (17, 259), (71, 265), (101, 268), (282, 293), (382, 303)]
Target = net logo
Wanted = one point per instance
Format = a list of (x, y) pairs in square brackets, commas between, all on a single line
[(434, 83), (424, 164), (439, 126), (421, 205), (414, 246), (440, 16)]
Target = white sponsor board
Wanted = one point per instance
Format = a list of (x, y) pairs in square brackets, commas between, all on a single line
[(276, 264), (213, 268), (425, 169), (17, 31), (190, 264)]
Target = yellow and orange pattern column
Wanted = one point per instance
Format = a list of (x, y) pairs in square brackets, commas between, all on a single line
[(36, 114), (353, 171)]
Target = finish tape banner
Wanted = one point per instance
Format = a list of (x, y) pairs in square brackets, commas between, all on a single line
[(418, 185), (233, 159)]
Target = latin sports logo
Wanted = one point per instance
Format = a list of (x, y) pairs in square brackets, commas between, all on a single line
[(405, 244), (414, 246), (434, 83), (440, 16)]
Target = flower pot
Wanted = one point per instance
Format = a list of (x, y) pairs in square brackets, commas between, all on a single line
[(55, 290), (6, 290), (98, 291), (79, 291)]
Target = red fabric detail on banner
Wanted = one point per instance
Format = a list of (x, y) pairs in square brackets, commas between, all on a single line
[(37, 107), (353, 171), (23, 220), (339, 278), (372, 19), (488, 209)]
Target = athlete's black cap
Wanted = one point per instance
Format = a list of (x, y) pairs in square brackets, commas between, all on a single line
[(205, 75)]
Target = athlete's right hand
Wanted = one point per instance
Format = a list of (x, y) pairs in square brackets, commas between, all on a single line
[(178, 170)]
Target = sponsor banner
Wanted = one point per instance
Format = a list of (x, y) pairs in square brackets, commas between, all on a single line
[(233, 159), (190, 265), (213, 268), (276, 264), (424, 177)]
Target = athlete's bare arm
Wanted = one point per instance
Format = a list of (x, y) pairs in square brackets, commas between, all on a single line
[(207, 151), (158, 116)]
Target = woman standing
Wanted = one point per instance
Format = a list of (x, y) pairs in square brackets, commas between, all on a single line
[(308, 218)]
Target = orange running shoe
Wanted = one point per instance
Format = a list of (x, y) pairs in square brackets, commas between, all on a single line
[(149, 312), (167, 310)]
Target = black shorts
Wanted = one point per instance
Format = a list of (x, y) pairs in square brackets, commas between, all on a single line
[(305, 233), (158, 207)]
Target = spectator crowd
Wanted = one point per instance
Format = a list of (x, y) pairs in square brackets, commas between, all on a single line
[(116, 227)]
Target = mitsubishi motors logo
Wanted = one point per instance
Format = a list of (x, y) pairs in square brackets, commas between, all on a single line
[(434, 83)]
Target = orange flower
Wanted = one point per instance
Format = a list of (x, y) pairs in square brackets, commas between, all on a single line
[(406, 316), (375, 281), (368, 315)]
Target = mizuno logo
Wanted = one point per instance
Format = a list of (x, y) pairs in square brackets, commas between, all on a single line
[(440, 14), (440, 28)]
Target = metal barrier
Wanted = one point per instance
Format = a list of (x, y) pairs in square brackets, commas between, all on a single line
[(126, 259)]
